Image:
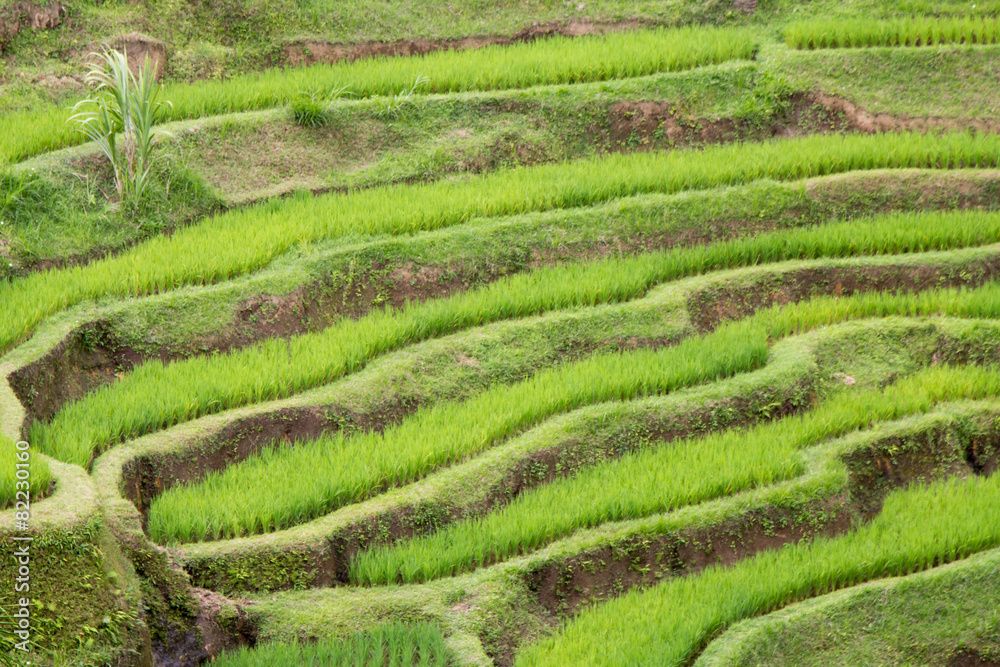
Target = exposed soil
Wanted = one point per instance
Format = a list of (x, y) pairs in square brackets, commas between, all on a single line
[(862, 120), (148, 476), (564, 587), (28, 16), (971, 658), (656, 125), (331, 564), (138, 48), (310, 52)]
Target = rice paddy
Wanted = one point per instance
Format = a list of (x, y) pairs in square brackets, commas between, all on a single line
[(614, 410)]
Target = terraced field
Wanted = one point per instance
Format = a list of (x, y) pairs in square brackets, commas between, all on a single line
[(672, 343)]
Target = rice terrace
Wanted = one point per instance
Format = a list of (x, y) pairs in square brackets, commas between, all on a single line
[(516, 333)]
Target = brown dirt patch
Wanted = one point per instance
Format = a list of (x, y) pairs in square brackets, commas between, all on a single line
[(310, 52), (971, 658), (862, 120), (27, 15), (565, 586), (92, 356), (137, 47)]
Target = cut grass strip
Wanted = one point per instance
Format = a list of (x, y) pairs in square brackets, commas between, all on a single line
[(156, 396), (269, 492), (396, 644), (238, 242), (667, 625), (661, 479), (864, 32), (551, 61)]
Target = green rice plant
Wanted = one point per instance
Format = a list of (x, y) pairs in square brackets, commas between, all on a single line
[(865, 32), (269, 492), (661, 479), (155, 396), (666, 625), (394, 644), (237, 242), (549, 61), (22, 471)]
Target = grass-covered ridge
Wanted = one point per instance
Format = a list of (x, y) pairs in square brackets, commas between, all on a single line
[(700, 359), (894, 614), (451, 335)]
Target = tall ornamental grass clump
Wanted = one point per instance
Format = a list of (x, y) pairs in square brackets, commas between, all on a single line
[(124, 104), (862, 32), (549, 61), (156, 396), (237, 242)]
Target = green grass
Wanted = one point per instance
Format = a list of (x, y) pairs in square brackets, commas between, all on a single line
[(890, 80), (551, 61), (864, 32), (155, 395), (270, 492), (238, 242), (667, 625), (391, 645), (662, 479), (33, 478)]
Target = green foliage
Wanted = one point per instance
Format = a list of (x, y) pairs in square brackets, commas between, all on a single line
[(312, 108), (662, 479), (394, 644), (39, 476), (556, 60), (865, 32), (666, 625), (125, 104), (404, 98), (346, 469), (245, 240), (155, 395)]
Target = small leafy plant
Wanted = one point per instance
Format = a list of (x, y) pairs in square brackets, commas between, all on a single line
[(312, 108)]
